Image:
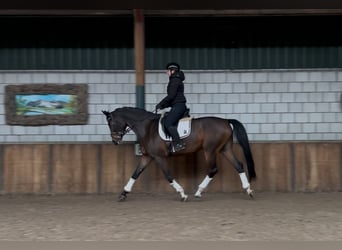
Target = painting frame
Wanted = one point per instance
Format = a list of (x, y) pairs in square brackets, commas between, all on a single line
[(78, 90)]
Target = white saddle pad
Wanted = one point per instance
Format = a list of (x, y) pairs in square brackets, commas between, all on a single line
[(184, 128)]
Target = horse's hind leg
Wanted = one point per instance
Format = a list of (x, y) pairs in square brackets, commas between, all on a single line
[(204, 184), (211, 161), (145, 160), (229, 155)]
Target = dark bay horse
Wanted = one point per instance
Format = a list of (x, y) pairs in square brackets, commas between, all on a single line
[(213, 135)]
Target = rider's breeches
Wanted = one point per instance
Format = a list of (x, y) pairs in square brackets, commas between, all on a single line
[(171, 121)]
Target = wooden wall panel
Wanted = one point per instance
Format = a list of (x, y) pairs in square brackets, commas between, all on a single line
[(318, 167), (26, 168), (273, 166), (106, 168), (1, 169), (74, 168)]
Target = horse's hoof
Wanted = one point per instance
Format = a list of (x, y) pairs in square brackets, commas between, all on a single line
[(122, 196), (198, 195), (184, 198), (250, 193)]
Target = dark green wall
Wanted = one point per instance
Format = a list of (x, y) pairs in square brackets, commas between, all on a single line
[(195, 42)]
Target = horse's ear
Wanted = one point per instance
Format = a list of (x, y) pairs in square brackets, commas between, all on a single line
[(105, 112)]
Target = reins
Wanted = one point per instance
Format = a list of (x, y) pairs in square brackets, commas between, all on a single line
[(128, 129)]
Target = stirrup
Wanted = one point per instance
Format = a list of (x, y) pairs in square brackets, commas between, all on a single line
[(179, 146)]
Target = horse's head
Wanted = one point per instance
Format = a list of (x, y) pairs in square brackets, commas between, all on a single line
[(118, 127)]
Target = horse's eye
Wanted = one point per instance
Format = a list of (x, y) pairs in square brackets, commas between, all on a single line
[(109, 118)]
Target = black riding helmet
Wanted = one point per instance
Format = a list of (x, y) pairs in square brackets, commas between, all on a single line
[(173, 66)]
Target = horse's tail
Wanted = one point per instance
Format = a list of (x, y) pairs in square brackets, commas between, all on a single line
[(242, 138)]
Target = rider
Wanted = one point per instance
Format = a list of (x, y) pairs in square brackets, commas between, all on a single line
[(176, 100)]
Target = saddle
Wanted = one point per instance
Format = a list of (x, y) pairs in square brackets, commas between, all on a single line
[(183, 126)]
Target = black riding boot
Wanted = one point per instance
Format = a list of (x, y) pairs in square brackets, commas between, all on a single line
[(177, 144)]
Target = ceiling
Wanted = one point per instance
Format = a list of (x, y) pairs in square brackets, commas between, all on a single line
[(171, 8)]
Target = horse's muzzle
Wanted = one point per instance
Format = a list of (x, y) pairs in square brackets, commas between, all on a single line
[(116, 139), (116, 142)]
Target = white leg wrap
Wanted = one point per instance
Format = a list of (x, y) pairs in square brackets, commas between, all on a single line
[(179, 189), (205, 182), (129, 185), (244, 181), (203, 186), (176, 186)]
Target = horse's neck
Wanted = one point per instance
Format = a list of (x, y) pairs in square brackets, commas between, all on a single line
[(140, 128), (139, 122)]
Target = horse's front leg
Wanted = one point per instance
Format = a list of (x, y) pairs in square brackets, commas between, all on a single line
[(162, 163), (144, 161)]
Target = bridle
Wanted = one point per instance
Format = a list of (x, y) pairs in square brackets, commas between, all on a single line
[(122, 133), (126, 130)]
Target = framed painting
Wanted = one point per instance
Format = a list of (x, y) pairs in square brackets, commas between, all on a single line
[(46, 104)]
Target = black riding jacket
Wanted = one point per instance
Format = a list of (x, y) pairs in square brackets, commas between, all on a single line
[(175, 90)]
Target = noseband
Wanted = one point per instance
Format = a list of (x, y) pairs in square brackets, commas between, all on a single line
[(121, 133)]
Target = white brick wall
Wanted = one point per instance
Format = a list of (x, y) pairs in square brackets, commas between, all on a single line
[(274, 105)]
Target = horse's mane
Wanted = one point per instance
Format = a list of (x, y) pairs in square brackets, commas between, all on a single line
[(137, 114)]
